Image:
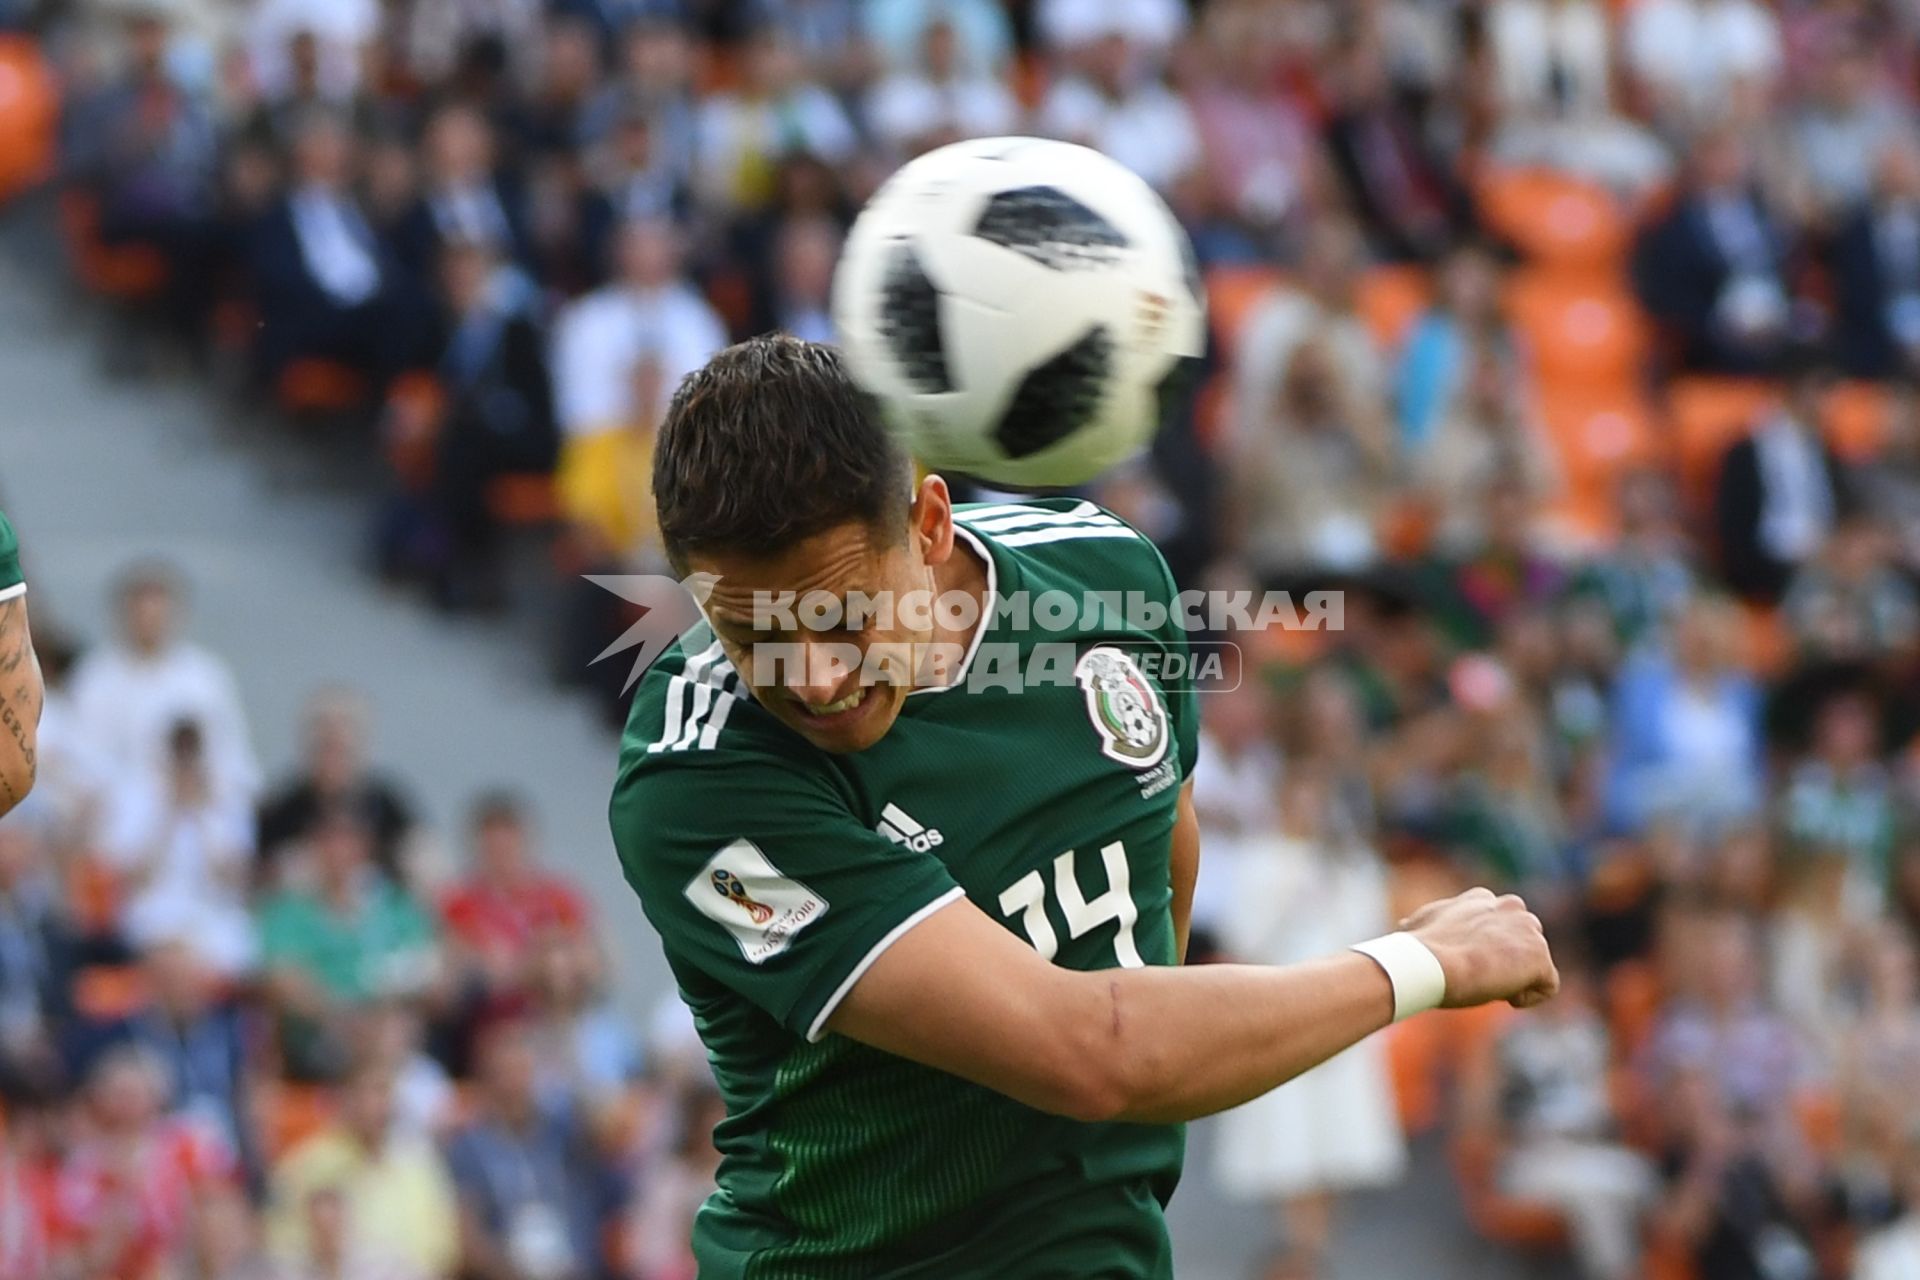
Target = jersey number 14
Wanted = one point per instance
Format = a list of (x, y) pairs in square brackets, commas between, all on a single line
[(1027, 899)]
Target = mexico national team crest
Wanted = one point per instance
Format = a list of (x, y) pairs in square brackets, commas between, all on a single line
[(763, 908), (1124, 707)]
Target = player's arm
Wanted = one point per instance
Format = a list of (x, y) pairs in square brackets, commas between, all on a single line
[(1158, 1044), (20, 689), (1184, 864)]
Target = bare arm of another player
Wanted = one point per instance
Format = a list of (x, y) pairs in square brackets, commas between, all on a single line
[(1161, 1044), (1184, 864), (20, 698)]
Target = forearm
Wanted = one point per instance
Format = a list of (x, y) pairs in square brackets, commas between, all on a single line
[(1185, 1043), (20, 700)]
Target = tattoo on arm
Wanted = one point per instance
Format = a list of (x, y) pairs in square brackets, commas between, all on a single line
[(20, 698)]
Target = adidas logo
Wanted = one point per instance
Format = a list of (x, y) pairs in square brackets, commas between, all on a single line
[(896, 826)]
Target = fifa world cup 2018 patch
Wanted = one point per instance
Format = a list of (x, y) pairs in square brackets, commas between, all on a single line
[(743, 892), (1123, 706)]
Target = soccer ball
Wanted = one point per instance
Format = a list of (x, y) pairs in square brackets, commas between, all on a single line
[(1023, 310)]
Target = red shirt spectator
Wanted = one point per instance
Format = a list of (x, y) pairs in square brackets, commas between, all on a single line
[(124, 1201), (507, 901)]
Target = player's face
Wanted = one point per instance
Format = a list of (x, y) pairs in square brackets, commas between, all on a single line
[(842, 686)]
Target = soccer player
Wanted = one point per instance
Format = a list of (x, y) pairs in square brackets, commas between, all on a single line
[(930, 934), (20, 691)]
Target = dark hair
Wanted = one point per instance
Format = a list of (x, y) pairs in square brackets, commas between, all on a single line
[(770, 443)]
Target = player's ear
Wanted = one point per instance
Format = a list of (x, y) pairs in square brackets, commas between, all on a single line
[(931, 518)]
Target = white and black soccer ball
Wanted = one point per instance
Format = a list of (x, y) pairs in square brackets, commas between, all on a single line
[(1021, 308)]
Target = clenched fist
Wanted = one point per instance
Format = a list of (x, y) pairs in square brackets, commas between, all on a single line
[(1491, 948)]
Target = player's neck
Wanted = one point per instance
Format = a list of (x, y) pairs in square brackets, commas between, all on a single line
[(963, 571)]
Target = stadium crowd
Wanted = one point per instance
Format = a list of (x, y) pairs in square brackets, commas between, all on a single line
[(1574, 340)]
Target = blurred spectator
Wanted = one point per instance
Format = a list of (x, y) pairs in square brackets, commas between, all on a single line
[(532, 1199), (1876, 269), (146, 145), (935, 101), (801, 292), (390, 1037), (1894, 1253), (1685, 722), (1500, 813), (1464, 325), (440, 32), (350, 937), (1540, 1096), (1553, 65), (1713, 271), (1779, 492), (464, 198), (132, 1187), (1648, 575), (1334, 1128), (198, 1036), (334, 774), (337, 33), (1118, 105), (1311, 473), (393, 1201), (1849, 602), (829, 37), (1841, 129), (37, 963), (326, 286), (587, 1056), (1690, 57), (983, 34), (1486, 439), (637, 177), (618, 355), (776, 112), (498, 418), (1260, 148), (183, 853), (1403, 193), (659, 1222), (129, 695), (1236, 783), (496, 914), (1838, 802)]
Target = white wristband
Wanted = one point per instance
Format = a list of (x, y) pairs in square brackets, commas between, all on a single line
[(1419, 983)]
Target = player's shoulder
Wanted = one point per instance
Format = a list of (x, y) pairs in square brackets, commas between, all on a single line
[(1067, 544)]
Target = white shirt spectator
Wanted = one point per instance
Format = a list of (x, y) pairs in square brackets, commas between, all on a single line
[(1551, 57), (1150, 130), (336, 246), (601, 339), (898, 29), (1891, 1254), (126, 704), (341, 28), (1692, 52), (904, 109), (186, 864), (1151, 24)]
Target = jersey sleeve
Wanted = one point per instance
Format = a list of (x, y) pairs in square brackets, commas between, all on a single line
[(12, 582), (755, 872)]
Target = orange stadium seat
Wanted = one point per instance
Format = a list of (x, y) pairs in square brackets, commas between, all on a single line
[(525, 498), (1555, 220), (1706, 415), (129, 272), (1391, 298), (1598, 437), (1582, 331), (1500, 1216), (1232, 295), (109, 992), (314, 387), (292, 1113), (1856, 418), (29, 113), (1766, 644)]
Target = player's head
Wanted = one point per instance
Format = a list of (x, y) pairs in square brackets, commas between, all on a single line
[(773, 471)]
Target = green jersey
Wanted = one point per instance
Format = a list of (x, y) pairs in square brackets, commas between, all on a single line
[(12, 582), (775, 874)]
